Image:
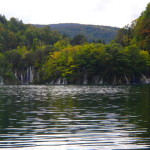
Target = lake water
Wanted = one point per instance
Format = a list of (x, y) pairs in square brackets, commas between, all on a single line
[(75, 117)]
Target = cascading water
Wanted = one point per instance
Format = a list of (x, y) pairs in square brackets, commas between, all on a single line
[(58, 81), (31, 75), (1, 80), (115, 80), (52, 82), (25, 77), (64, 81), (144, 79), (21, 76), (16, 74), (85, 80), (96, 78), (127, 81), (101, 81)]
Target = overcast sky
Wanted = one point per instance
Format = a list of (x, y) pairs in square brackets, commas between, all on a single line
[(98, 12)]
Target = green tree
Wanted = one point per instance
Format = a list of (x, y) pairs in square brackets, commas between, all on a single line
[(79, 40)]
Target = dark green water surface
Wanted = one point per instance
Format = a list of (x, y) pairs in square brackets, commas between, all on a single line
[(75, 117)]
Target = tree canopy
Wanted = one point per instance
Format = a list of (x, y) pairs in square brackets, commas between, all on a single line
[(40, 55)]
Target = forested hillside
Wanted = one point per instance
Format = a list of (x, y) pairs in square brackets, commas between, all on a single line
[(91, 32), (29, 54), (23, 48), (138, 33)]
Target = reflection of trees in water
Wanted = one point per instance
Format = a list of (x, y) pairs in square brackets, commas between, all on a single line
[(134, 108), (139, 104), (32, 110)]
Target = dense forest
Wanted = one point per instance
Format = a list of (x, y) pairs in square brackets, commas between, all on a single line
[(93, 33), (29, 54)]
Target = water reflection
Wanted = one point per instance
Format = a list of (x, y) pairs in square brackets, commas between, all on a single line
[(75, 117)]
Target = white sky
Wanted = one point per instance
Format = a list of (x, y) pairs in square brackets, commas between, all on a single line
[(99, 12)]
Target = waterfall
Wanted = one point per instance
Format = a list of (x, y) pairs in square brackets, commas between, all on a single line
[(27, 76), (115, 80), (127, 81), (64, 81), (16, 74), (144, 79), (85, 81), (21, 76), (58, 81), (52, 82), (101, 81), (1, 80), (31, 75), (96, 79)]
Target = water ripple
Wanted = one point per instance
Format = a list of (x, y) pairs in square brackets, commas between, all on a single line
[(74, 117)]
